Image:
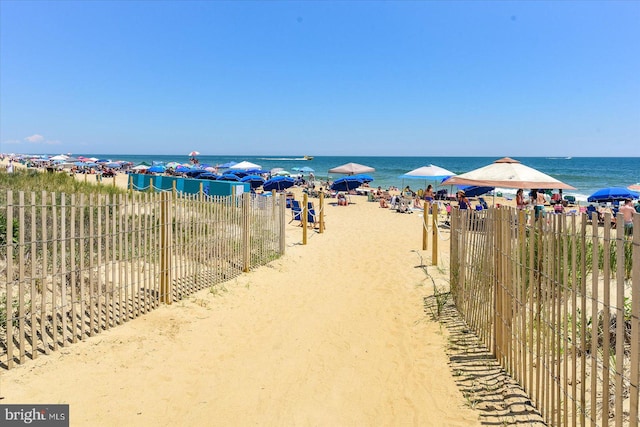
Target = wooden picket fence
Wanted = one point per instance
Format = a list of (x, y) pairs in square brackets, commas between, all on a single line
[(557, 301), (74, 265)]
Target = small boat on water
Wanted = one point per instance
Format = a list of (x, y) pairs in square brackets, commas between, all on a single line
[(308, 157)]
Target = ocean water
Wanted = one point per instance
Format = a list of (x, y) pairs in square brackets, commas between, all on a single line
[(586, 174)]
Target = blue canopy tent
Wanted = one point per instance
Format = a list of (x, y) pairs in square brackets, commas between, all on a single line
[(612, 194), (278, 183)]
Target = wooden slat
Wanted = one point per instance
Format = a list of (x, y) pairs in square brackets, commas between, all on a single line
[(634, 377), (606, 316), (9, 269), (74, 269), (22, 339), (619, 308), (63, 270), (54, 269), (34, 294)]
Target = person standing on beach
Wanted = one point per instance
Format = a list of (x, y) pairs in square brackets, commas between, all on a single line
[(627, 212), (463, 202), (520, 201), (10, 167)]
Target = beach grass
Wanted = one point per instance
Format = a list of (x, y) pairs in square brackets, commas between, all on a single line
[(33, 180)]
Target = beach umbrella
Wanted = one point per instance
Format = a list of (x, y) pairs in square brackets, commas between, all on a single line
[(363, 177), (634, 187), (256, 171), (474, 190), (182, 169), (352, 169), (428, 173), (282, 173), (347, 183), (245, 165), (254, 181), (59, 157), (114, 165), (508, 173), (278, 183), (227, 165), (195, 173), (611, 194), (194, 153), (208, 175), (139, 167), (173, 165), (228, 177), (156, 169), (306, 169)]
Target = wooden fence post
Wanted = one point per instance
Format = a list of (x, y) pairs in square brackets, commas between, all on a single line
[(304, 214), (321, 212), (425, 224), (282, 206), (434, 234), (246, 232), (165, 288)]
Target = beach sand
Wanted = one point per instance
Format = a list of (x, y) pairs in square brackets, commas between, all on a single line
[(334, 333)]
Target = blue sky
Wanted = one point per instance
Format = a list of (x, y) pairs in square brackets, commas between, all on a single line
[(424, 78)]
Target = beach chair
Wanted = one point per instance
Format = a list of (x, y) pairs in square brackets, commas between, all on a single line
[(312, 217), (296, 211), (483, 203)]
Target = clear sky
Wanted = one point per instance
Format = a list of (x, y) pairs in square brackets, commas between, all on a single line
[(424, 78)]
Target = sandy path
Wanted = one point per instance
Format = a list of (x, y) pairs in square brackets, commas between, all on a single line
[(332, 334)]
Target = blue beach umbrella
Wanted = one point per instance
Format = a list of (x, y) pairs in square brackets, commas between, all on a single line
[(278, 183), (363, 177), (228, 177), (156, 169), (611, 194), (194, 173), (254, 181), (347, 183), (474, 190), (256, 171), (208, 175)]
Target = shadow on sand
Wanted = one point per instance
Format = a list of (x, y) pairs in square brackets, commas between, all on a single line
[(485, 386)]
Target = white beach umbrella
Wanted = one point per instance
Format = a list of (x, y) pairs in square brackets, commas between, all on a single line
[(352, 169), (430, 172), (245, 165), (508, 173)]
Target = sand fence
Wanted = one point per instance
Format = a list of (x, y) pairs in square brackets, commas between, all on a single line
[(558, 305), (74, 265)]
